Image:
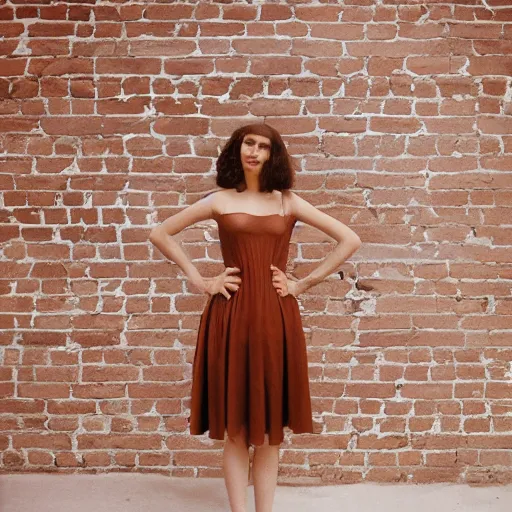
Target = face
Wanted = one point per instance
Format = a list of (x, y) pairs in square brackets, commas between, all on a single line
[(254, 152)]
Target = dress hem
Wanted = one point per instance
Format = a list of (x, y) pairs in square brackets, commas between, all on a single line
[(223, 438)]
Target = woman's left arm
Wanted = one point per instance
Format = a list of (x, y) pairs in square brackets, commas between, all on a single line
[(348, 241)]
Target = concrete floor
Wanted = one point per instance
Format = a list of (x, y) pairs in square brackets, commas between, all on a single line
[(115, 492)]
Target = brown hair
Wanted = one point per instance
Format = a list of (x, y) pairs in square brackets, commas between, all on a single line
[(277, 172)]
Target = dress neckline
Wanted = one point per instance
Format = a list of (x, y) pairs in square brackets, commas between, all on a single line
[(253, 215), (283, 214)]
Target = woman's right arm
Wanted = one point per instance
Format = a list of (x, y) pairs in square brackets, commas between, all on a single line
[(161, 237)]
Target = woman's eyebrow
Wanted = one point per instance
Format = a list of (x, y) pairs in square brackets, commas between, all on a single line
[(249, 139)]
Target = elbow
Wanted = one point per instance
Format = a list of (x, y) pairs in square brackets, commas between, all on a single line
[(158, 237), (154, 234), (349, 238), (352, 240), (352, 243)]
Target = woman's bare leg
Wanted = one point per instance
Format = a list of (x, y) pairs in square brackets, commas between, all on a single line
[(235, 464), (265, 465)]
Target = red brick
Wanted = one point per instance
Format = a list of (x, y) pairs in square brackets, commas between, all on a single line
[(109, 373), (70, 407), (490, 65), (428, 65), (93, 459), (43, 390), (168, 12), (50, 441), (380, 66), (98, 390), (318, 13), (67, 459), (154, 459), (239, 12), (39, 458), (275, 12), (394, 124), (474, 30), (189, 66), (316, 48), (224, 29), (275, 65)]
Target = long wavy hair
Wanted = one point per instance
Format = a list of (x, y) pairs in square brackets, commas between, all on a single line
[(277, 172)]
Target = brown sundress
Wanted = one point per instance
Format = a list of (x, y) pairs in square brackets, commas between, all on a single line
[(250, 365)]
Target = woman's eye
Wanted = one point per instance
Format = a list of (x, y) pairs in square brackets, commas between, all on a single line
[(263, 146)]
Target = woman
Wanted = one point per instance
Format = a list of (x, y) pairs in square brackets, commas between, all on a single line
[(250, 371)]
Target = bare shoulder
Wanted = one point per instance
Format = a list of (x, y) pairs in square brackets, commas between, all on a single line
[(215, 200), (219, 199), (203, 209), (305, 212), (294, 201)]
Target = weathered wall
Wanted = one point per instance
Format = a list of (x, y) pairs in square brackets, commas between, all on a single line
[(398, 117)]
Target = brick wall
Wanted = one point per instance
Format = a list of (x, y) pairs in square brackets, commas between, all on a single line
[(398, 117)]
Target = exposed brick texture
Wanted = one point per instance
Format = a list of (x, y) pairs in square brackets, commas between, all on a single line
[(398, 115)]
